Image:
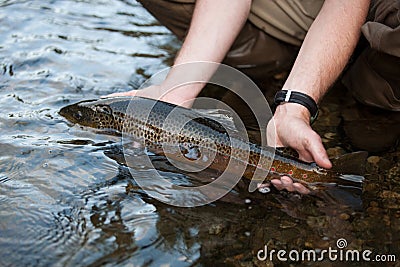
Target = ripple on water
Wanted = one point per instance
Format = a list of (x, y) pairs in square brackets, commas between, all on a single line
[(53, 53), (115, 227)]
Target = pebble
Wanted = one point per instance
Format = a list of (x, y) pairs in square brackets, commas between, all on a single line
[(216, 229), (334, 152), (373, 204), (394, 172), (264, 190), (386, 219), (308, 244), (266, 263), (318, 222), (373, 210), (372, 187), (324, 140), (287, 224), (373, 163), (330, 136), (389, 194), (373, 160), (344, 216)]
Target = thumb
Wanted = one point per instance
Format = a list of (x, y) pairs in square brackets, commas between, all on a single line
[(317, 151)]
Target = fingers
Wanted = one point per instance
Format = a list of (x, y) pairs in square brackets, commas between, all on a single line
[(290, 130), (284, 183), (306, 156), (273, 139), (301, 189), (287, 183), (278, 184), (129, 93), (315, 151)]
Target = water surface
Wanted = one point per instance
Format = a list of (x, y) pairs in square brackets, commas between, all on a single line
[(66, 201)]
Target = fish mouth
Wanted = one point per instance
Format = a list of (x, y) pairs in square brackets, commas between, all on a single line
[(66, 119), (66, 115), (62, 112), (68, 122)]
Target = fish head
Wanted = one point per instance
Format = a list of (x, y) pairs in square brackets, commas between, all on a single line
[(89, 113)]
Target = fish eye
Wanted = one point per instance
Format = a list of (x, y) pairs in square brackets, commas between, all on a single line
[(78, 115)]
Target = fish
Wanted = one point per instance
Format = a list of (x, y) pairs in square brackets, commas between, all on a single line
[(187, 135)]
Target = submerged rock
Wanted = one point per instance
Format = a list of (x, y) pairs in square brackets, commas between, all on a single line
[(334, 152), (216, 229)]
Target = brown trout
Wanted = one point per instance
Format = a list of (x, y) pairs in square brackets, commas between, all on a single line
[(159, 125)]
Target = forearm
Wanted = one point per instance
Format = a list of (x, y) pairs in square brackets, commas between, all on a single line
[(327, 46), (214, 27), (322, 57)]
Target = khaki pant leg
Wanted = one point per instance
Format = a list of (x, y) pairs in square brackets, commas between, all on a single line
[(374, 78), (176, 16), (254, 52), (260, 55), (286, 20)]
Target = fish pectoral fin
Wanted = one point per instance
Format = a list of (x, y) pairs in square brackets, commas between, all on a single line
[(190, 152), (353, 163)]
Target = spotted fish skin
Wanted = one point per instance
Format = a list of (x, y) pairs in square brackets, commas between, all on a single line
[(159, 124)]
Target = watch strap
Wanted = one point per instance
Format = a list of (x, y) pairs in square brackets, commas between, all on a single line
[(289, 96)]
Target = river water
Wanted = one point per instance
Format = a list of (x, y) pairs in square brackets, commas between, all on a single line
[(66, 199)]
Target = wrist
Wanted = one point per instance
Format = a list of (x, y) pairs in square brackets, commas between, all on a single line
[(181, 95), (287, 109), (299, 98)]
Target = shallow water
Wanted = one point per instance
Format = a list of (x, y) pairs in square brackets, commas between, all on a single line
[(66, 201)]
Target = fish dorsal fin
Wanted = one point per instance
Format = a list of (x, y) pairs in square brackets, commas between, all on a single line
[(351, 163)]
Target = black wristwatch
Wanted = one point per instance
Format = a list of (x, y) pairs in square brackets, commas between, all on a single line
[(290, 96)]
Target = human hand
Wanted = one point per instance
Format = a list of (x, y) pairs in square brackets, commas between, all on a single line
[(153, 92), (285, 182), (292, 128), (159, 92)]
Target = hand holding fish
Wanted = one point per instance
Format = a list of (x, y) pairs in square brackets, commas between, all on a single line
[(160, 93), (314, 71), (292, 129), (292, 126)]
